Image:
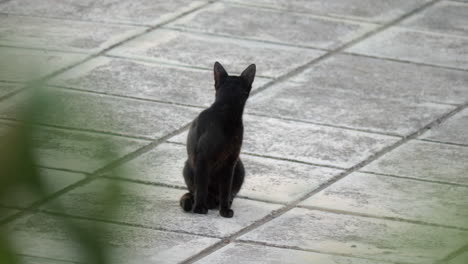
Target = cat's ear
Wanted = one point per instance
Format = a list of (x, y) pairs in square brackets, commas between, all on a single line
[(219, 74), (249, 74)]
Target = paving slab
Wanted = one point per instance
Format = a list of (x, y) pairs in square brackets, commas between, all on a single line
[(445, 17), (405, 44), (245, 253), (462, 259), (345, 108), (144, 80), (200, 50), (305, 142), (143, 12), (44, 235), (452, 130), (290, 28), (425, 160), (52, 180), (266, 179), (80, 151), (396, 197), (158, 207), (97, 112), (29, 64), (7, 88), (56, 34), (359, 236), (380, 11), (385, 79)]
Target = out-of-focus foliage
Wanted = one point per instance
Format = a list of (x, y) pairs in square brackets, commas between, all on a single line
[(19, 170)]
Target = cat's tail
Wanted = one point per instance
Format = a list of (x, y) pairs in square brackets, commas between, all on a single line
[(186, 201)]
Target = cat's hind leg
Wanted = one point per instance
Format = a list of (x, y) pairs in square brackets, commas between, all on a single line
[(186, 202)]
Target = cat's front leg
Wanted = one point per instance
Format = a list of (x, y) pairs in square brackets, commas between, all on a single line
[(225, 192)]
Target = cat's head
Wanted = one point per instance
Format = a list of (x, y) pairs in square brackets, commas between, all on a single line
[(233, 89)]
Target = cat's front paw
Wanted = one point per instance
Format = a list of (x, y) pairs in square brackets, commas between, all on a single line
[(226, 213), (200, 209)]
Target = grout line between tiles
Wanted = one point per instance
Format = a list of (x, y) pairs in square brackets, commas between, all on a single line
[(107, 23), (338, 17), (276, 158), (45, 211), (313, 15), (62, 169), (161, 62), (454, 254), (100, 132), (258, 243), (136, 98), (226, 36), (50, 259), (372, 216), (77, 20), (298, 120), (177, 187), (76, 52), (414, 178), (442, 142), (404, 61)]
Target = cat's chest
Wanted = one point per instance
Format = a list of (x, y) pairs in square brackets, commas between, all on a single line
[(232, 145), (229, 151)]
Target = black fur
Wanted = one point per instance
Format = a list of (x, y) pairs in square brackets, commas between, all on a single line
[(213, 171)]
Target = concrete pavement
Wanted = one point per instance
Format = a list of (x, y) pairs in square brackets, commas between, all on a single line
[(356, 142)]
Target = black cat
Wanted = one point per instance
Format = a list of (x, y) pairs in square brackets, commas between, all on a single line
[(213, 171)]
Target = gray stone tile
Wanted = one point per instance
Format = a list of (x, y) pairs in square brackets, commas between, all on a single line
[(307, 142), (104, 113), (43, 235), (396, 197), (162, 165), (444, 17), (158, 207), (359, 236), (290, 28), (244, 253), (27, 64), (281, 181), (345, 108), (147, 12), (453, 130), (55, 34), (462, 259), (197, 50), (416, 46), (52, 180), (8, 88), (266, 179), (386, 79), (369, 10), (144, 80), (81, 151), (425, 160)]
